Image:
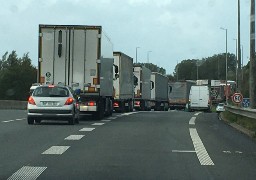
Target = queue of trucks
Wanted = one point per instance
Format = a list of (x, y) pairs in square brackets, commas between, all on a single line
[(104, 81)]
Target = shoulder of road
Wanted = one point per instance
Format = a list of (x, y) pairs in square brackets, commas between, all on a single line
[(238, 127)]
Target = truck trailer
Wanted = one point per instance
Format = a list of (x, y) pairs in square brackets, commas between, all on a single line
[(179, 96), (142, 88), (123, 83), (159, 92), (81, 57)]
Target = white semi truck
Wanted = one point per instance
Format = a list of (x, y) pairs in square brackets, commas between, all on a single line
[(159, 92), (81, 57), (123, 83), (142, 89)]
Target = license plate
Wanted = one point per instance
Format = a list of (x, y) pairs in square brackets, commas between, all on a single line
[(49, 103)]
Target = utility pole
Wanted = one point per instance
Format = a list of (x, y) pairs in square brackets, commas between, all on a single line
[(239, 52), (252, 56), (136, 53)]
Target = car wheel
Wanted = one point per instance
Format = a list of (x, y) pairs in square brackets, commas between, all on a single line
[(77, 120), (30, 120), (71, 121)]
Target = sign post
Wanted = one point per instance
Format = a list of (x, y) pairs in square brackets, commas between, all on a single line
[(237, 98)]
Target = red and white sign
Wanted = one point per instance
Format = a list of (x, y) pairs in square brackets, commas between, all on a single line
[(237, 98)]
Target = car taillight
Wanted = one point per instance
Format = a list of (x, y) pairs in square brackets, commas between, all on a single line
[(116, 104), (31, 100), (91, 103), (137, 102), (69, 101)]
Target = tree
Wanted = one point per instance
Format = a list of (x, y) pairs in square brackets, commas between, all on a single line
[(16, 76), (208, 68)]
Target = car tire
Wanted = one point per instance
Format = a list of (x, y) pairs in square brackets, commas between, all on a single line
[(30, 120), (71, 121)]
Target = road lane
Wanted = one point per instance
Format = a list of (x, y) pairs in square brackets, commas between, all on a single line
[(144, 145)]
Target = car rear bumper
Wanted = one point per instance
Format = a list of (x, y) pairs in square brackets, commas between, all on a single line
[(47, 114)]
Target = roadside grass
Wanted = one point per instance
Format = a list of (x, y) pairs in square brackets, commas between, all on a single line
[(245, 122)]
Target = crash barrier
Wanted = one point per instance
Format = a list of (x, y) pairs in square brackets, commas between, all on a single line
[(247, 112), (12, 104)]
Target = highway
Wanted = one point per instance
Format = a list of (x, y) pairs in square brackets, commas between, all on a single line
[(136, 145)]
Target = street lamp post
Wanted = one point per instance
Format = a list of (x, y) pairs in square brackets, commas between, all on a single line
[(226, 61), (136, 53), (236, 63), (148, 56)]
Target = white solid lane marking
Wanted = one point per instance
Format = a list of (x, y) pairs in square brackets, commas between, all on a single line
[(105, 120), (27, 172), (87, 129), (98, 124), (201, 152), (197, 114), (56, 150), (182, 151), (74, 137), (192, 121)]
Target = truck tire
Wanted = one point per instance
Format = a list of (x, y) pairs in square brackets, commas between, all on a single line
[(38, 121), (100, 113), (30, 120)]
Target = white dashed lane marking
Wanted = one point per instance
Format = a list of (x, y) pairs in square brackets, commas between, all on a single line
[(105, 120), (87, 129), (27, 172), (13, 120), (192, 121), (98, 124), (56, 150), (74, 137)]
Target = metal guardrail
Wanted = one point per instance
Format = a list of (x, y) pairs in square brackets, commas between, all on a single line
[(247, 112), (12, 104)]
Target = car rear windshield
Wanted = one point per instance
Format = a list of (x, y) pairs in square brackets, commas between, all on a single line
[(51, 92)]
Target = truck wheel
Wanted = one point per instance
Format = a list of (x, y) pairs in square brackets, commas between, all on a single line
[(30, 120), (38, 121)]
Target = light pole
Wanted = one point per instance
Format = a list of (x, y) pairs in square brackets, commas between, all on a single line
[(242, 61), (148, 56), (236, 62), (136, 53), (226, 61)]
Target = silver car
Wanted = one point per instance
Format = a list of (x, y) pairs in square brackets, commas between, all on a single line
[(52, 102), (220, 107)]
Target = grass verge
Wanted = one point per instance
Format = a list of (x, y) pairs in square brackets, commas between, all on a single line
[(245, 122)]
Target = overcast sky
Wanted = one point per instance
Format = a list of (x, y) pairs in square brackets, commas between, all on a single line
[(173, 30)]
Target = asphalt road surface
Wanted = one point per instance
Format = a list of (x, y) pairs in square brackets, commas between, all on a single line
[(137, 145)]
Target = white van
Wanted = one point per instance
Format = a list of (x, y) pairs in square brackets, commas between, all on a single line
[(199, 98)]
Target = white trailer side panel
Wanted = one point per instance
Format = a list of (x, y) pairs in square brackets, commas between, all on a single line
[(146, 84), (137, 89), (160, 90), (124, 84)]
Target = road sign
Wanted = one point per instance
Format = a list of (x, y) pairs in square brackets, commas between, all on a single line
[(237, 98)]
